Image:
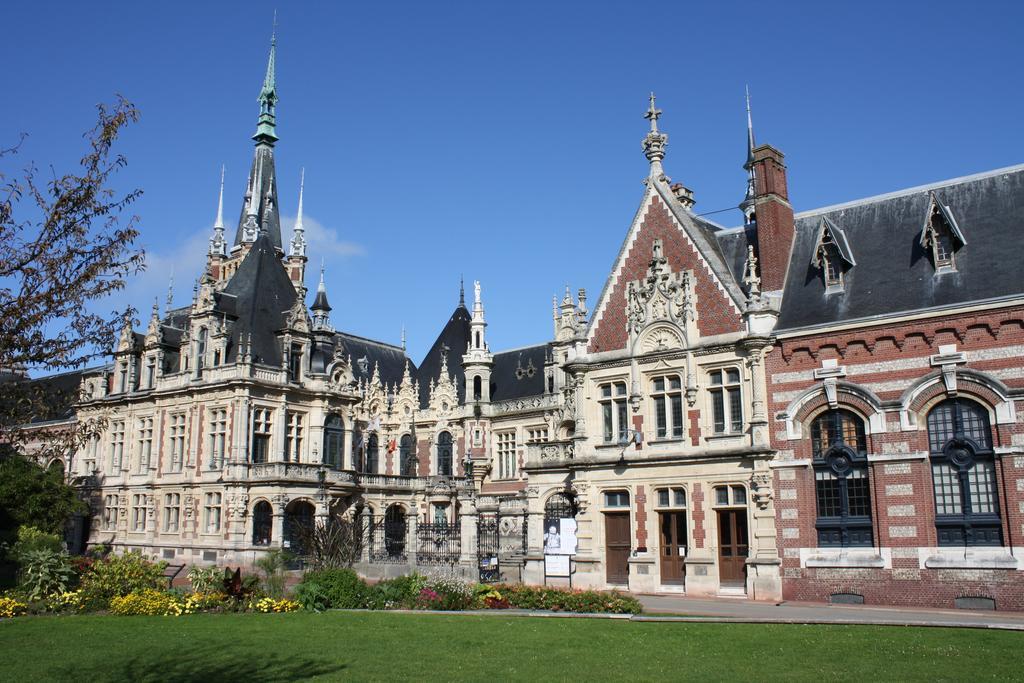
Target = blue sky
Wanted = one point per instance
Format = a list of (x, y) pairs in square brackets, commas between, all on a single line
[(502, 140)]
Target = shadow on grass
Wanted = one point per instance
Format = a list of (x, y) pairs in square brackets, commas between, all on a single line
[(196, 662)]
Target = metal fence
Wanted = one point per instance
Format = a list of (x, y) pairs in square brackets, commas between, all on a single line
[(438, 544)]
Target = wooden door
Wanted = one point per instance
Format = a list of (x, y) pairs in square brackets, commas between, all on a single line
[(673, 546), (617, 546), (732, 546)]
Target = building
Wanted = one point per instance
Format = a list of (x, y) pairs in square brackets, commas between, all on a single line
[(816, 406)]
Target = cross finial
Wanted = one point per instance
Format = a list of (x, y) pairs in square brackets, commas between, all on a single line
[(653, 114)]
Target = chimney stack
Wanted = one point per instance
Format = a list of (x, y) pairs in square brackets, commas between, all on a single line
[(773, 216)]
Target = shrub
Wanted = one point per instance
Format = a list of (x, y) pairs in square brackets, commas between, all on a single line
[(400, 593), (44, 572), (445, 593), (272, 565), (149, 601), (9, 607), (31, 539), (205, 579), (334, 588), (272, 605), (117, 576), (562, 600)]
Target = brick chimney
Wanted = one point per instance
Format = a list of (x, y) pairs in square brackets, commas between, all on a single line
[(774, 216)]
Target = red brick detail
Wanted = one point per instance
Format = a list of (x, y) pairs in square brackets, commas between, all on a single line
[(964, 385), (844, 399), (694, 417), (641, 517), (638, 426), (199, 438), (716, 313), (460, 444), (775, 224), (698, 516), (423, 455)]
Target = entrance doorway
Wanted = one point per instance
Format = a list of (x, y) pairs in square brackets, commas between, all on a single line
[(617, 546), (732, 547), (673, 546)]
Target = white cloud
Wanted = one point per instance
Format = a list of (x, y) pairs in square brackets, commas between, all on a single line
[(323, 241)]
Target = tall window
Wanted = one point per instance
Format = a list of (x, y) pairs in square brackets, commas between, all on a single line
[(372, 454), (293, 437), (218, 437), (176, 434), (613, 412), (262, 523), (334, 441), (211, 513), (172, 512), (407, 456), (444, 454), (122, 377), (667, 395), (261, 427), (963, 474), (295, 363), (145, 443), (201, 344), (506, 447), (110, 512), (841, 479), (138, 512), (477, 388), (116, 445), (150, 372), (726, 404)]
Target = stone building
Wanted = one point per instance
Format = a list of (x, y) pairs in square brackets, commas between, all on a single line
[(814, 406)]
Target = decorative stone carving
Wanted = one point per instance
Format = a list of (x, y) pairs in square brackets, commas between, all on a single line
[(761, 490), (663, 296)]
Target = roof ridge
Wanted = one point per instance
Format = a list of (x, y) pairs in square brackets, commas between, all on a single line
[(368, 339)]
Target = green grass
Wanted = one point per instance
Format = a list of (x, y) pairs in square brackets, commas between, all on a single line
[(380, 645)]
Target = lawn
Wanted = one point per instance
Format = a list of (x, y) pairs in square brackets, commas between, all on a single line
[(380, 645)]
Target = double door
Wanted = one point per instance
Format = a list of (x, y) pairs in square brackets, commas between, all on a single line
[(733, 547), (673, 546), (617, 547)]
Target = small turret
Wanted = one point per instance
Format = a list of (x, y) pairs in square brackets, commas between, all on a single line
[(321, 308)]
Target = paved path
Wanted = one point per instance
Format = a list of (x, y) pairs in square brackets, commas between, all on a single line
[(731, 609)]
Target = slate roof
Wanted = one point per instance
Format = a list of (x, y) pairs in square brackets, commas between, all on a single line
[(269, 220), (511, 376), (455, 338), (57, 394), (260, 295), (389, 358), (893, 272)]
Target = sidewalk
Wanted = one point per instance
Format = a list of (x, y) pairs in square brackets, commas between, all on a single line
[(731, 609)]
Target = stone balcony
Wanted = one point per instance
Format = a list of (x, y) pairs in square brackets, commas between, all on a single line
[(550, 453)]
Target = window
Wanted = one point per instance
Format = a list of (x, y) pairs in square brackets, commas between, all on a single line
[(295, 363), (832, 269), (172, 512), (477, 384), (444, 454), (218, 437), (616, 499), (110, 511), (150, 372), (841, 483), (357, 451), (261, 427), (138, 512), (667, 395), (559, 506), (176, 433), (440, 514), (116, 446), (293, 437), (506, 447), (334, 441), (537, 434), (730, 496), (145, 443), (407, 456), (942, 236), (262, 523), (201, 344), (211, 513), (963, 474), (726, 404), (613, 412), (671, 498), (122, 377), (372, 454)]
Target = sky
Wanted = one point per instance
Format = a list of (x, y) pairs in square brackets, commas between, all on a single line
[(500, 141)]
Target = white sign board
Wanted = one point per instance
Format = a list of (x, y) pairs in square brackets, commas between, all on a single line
[(556, 565), (567, 527), (560, 536)]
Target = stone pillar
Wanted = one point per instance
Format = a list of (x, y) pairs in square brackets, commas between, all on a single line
[(533, 568), (468, 535), (759, 415), (764, 581)]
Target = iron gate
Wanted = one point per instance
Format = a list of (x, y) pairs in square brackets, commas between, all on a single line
[(501, 541)]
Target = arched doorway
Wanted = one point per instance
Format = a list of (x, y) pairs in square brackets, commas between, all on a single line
[(298, 524), (395, 529), (262, 523)]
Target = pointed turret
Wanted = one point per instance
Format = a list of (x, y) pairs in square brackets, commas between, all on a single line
[(478, 361), (218, 246), (265, 126), (298, 245), (747, 205), (321, 308)]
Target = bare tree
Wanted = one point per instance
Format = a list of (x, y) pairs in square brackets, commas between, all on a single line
[(65, 245)]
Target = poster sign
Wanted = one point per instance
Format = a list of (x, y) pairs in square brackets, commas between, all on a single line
[(560, 536), (556, 565)]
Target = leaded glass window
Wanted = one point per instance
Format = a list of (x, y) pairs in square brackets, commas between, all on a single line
[(841, 482)]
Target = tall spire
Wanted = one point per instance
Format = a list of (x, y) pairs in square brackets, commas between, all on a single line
[(321, 309), (654, 142), (298, 246), (217, 243), (747, 205), (265, 132), (462, 291), (170, 290)]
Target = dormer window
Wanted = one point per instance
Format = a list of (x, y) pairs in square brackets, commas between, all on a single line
[(832, 256), (941, 235)]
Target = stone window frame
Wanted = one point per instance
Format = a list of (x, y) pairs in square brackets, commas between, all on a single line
[(613, 397), (506, 453), (667, 398)]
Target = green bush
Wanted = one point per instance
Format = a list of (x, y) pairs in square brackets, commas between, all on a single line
[(30, 539), (446, 593), (562, 600), (400, 593), (272, 566), (205, 579), (44, 572), (333, 588), (119, 575)]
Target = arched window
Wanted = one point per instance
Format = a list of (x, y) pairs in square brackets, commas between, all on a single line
[(298, 525), (963, 474), (334, 441), (262, 523), (394, 532), (841, 479), (558, 507), (358, 447), (444, 454), (372, 450), (407, 456), (477, 393)]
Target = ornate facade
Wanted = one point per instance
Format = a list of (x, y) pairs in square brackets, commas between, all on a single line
[(783, 409)]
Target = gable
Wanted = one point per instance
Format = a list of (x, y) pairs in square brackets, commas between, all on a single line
[(717, 311)]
